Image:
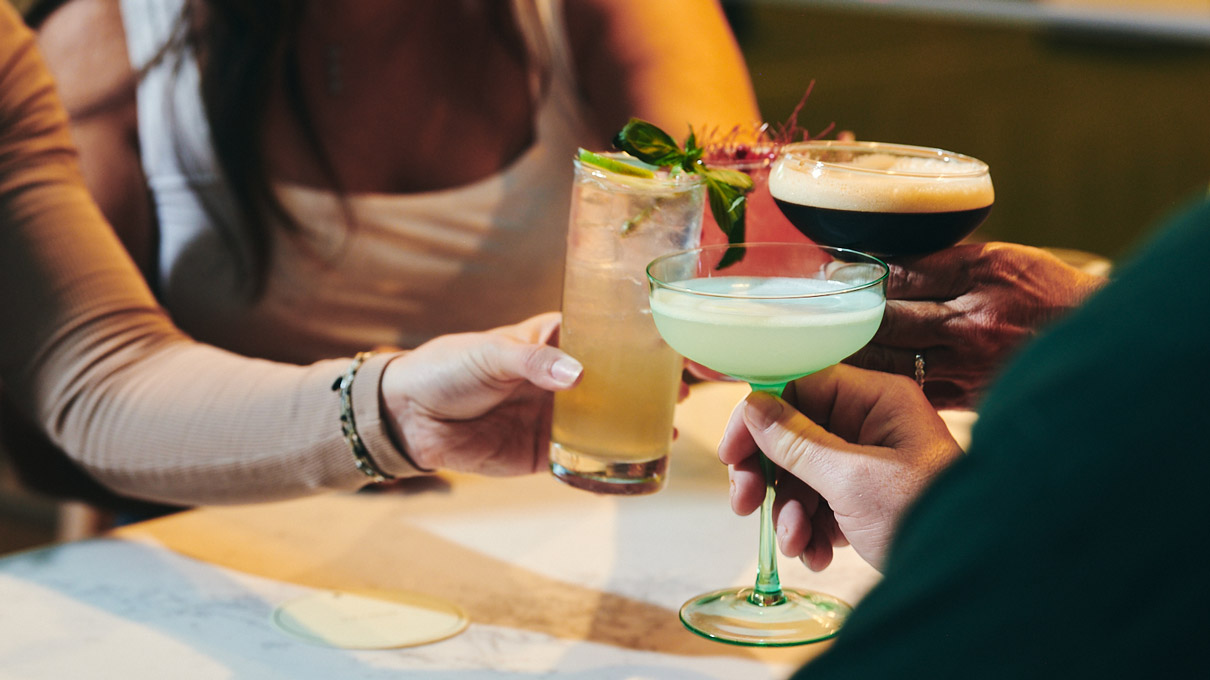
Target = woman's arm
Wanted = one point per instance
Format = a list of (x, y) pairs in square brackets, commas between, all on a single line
[(87, 353), (84, 46)]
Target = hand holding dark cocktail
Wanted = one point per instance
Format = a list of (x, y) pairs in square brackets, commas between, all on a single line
[(970, 307)]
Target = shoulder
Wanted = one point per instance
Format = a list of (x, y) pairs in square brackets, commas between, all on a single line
[(657, 26), (84, 45), (611, 13), (630, 59)]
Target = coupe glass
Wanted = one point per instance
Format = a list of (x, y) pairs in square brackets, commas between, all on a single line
[(783, 311), (885, 199)]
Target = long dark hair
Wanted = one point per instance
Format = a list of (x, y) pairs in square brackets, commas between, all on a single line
[(241, 47)]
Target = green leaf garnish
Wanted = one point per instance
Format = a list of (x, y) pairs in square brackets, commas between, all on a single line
[(727, 189), (649, 143)]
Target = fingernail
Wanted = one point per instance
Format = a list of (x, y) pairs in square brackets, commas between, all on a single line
[(763, 409), (566, 371)]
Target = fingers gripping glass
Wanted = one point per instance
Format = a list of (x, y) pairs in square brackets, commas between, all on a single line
[(783, 311)]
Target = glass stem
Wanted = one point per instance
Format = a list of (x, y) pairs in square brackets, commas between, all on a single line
[(767, 591)]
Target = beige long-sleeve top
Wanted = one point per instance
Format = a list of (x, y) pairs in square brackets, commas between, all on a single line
[(87, 352)]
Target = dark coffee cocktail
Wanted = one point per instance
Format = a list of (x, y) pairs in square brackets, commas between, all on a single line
[(885, 199)]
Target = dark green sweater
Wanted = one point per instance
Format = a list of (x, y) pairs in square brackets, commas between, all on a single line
[(1072, 541)]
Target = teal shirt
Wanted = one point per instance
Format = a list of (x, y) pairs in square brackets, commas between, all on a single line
[(1073, 541)]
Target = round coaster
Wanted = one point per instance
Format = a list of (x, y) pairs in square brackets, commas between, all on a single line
[(348, 621)]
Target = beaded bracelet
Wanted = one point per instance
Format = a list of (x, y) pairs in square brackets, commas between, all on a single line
[(348, 426)]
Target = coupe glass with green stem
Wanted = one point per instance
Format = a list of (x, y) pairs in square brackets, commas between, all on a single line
[(782, 311)]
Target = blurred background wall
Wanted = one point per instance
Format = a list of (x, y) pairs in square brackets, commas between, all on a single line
[(1094, 115)]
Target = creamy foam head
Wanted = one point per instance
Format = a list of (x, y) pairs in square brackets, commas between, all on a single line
[(878, 182)]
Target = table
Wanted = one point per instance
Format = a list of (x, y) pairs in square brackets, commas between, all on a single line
[(557, 582)]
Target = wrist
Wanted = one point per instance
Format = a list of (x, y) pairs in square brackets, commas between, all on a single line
[(348, 421), (371, 423), (396, 407)]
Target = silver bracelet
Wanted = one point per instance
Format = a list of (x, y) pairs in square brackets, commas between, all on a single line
[(348, 426)]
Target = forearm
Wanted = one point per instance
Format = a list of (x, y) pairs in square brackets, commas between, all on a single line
[(186, 423)]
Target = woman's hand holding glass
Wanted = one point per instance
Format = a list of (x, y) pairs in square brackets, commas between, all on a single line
[(863, 448), (479, 402)]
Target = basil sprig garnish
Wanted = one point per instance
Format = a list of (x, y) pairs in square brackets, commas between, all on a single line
[(727, 189)]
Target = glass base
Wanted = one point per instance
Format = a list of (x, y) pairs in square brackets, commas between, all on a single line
[(626, 478), (729, 615)]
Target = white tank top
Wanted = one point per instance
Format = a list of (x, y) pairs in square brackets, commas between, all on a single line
[(416, 265)]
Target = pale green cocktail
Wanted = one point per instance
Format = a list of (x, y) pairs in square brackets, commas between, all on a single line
[(781, 312), (796, 336)]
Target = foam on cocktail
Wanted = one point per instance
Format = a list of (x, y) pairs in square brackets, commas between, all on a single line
[(884, 183)]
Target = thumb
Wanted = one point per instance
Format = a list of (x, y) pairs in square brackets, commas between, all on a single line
[(547, 367), (796, 443)]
